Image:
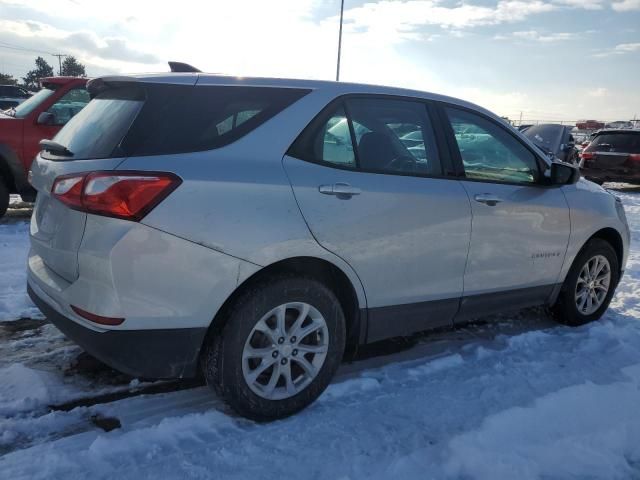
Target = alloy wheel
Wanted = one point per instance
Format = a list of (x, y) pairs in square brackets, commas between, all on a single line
[(594, 281), (285, 351)]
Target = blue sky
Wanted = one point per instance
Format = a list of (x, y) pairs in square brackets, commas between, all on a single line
[(549, 59)]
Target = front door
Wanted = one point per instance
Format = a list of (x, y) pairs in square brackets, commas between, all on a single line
[(520, 228), (370, 186)]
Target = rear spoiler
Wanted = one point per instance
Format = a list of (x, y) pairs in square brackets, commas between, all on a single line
[(98, 85), (180, 67)]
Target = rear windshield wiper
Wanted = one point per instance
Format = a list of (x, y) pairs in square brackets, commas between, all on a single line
[(55, 148)]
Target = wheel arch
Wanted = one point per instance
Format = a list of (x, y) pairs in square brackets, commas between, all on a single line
[(320, 269), (613, 237)]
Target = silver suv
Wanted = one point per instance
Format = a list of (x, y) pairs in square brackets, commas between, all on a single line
[(258, 229)]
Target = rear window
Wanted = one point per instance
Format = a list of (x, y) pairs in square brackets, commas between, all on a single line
[(547, 136), (33, 102), (169, 119), (616, 142), (96, 131)]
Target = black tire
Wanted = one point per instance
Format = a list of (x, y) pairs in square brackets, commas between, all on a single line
[(565, 310), (222, 362), (4, 198)]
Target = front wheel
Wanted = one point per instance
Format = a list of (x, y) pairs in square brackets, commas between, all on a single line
[(589, 286), (281, 345)]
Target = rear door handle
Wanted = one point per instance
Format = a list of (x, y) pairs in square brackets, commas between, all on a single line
[(487, 199), (340, 190)]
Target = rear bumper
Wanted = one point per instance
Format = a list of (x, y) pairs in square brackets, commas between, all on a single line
[(164, 353)]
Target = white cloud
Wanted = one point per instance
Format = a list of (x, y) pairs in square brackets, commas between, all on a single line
[(85, 45), (407, 16), (620, 49), (586, 4), (626, 5), (535, 36), (598, 92), (407, 43)]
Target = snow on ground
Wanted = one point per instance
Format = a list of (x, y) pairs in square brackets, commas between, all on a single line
[(518, 398), (14, 247)]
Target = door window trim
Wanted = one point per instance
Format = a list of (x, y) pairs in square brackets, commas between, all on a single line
[(444, 154), (456, 157)]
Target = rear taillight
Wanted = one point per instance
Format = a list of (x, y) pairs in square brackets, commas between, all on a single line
[(635, 157), (586, 156), (127, 195)]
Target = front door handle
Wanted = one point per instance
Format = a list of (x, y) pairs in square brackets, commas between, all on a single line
[(343, 190), (487, 199)]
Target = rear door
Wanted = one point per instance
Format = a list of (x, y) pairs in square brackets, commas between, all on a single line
[(520, 227), (387, 209)]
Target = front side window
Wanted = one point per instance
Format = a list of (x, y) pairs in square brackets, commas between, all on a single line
[(69, 105), (489, 152)]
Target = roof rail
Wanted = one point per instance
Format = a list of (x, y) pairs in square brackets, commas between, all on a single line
[(180, 67)]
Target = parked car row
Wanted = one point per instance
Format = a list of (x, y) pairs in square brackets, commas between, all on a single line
[(12, 96), (257, 230), (612, 156), (23, 125)]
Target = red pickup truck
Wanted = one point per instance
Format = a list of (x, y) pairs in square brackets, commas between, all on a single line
[(22, 127)]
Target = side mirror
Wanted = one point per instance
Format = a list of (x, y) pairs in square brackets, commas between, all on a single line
[(564, 173), (45, 118)]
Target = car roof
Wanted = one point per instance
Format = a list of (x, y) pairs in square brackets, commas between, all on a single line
[(63, 80), (617, 130), (337, 88)]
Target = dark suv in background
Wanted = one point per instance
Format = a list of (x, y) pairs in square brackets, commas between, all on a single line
[(612, 156), (12, 95)]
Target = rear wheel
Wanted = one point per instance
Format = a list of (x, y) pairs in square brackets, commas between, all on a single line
[(4, 198), (282, 343), (589, 286)]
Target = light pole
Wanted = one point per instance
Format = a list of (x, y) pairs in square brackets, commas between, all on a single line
[(340, 40)]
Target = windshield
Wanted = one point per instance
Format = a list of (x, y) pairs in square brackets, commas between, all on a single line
[(549, 137), (29, 105)]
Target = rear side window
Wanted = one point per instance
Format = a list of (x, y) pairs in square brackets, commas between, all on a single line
[(156, 119), (179, 119), (372, 134), (616, 142)]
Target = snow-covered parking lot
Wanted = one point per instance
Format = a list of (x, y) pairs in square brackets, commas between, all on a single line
[(508, 398)]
